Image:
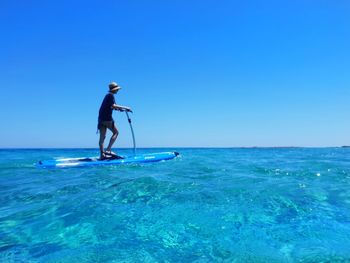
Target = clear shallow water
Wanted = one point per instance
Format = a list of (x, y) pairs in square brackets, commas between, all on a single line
[(208, 205)]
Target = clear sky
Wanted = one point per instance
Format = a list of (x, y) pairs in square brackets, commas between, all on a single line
[(196, 73)]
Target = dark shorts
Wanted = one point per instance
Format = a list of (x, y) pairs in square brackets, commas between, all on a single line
[(105, 124)]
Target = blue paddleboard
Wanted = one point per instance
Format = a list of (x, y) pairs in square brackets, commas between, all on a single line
[(93, 161)]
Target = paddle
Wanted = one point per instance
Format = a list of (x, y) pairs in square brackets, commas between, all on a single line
[(132, 130)]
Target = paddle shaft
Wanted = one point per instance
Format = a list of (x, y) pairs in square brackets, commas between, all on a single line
[(132, 131)]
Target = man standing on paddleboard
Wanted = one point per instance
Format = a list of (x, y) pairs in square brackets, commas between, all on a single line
[(105, 120)]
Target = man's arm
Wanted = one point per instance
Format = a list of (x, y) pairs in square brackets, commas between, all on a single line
[(121, 108)]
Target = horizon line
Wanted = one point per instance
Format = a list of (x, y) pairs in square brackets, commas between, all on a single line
[(183, 147)]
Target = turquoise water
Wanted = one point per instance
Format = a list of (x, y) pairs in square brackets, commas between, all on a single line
[(208, 205)]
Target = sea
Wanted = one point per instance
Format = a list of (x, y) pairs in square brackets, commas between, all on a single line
[(206, 205)]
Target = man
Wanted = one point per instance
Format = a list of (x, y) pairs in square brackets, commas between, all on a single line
[(105, 120)]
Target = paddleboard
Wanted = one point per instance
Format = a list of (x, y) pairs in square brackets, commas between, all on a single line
[(94, 161)]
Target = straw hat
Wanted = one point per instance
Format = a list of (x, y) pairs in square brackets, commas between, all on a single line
[(114, 86)]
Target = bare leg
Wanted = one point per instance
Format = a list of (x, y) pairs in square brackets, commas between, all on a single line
[(113, 138), (103, 131)]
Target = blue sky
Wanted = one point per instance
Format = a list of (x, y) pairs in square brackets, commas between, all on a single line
[(196, 73)]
